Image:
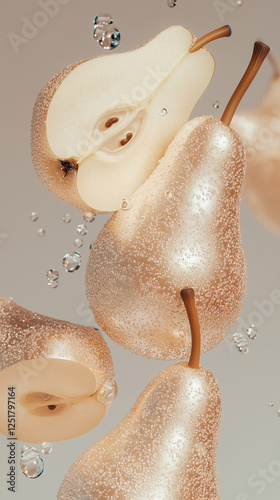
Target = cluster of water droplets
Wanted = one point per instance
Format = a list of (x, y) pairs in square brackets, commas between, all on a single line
[(241, 341), (31, 462), (34, 216), (105, 33)]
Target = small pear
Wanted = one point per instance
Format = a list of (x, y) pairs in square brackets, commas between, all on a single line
[(260, 131), (165, 448), (100, 126), (181, 228), (62, 373)]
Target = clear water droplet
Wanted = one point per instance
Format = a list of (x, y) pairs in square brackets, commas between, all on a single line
[(72, 262), (67, 218), (108, 392), (239, 2), (91, 245), (82, 230), (89, 216), (41, 232), (252, 332), (52, 275), (46, 448), (98, 33), (125, 204), (53, 284), (45, 396), (31, 464), (103, 19), (110, 38), (171, 3), (271, 405), (216, 104), (163, 112), (34, 216), (244, 349), (78, 242)]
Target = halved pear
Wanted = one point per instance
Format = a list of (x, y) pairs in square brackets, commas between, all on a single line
[(100, 126), (62, 375)]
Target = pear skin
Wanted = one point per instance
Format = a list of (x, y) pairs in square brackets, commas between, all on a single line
[(61, 372), (164, 449), (97, 127), (260, 131), (182, 230)]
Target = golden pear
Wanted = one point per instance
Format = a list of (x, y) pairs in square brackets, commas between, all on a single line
[(62, 373), (165, 448)]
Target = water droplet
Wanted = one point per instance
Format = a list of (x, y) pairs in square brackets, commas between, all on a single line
[(252, 332), (98, 33), (31, 464), (108, 392), (46, 448), (78, 242), (72, 262), (91, 245), (216, 104), (110, 39), (103, 19), (45, 396), (271, 405), (239, 2), (67, 218), (34, 216), (163, 112), (89, 216), (171, 3), (82, 230), (41, 232), (125, 204), (52, 275), (53, 284)]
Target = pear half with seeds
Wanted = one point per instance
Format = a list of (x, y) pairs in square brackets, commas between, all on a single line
[(100, 126)]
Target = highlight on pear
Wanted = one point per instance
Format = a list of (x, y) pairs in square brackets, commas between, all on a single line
[(63, 375), (260, 131), (99, 129), (165, 448), (182, 229)]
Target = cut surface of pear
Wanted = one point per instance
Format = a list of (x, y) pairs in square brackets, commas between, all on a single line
[(164, 449), (107, 117), (260, 131), (59, 371), (182, 230)]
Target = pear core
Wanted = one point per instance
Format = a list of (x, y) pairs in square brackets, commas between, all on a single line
[(105, 115)]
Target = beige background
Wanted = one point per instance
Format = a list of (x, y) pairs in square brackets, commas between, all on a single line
[(250, 433)]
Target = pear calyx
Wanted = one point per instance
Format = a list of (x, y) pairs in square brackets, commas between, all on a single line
[(222, 32), (189, 301)]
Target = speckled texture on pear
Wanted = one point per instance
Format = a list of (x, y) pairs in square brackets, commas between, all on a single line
[(182, 231), (164, 449), (260, 131), (25, 335)]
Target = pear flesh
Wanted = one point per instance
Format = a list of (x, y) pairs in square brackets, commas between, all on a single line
[(182, 231), (164, 449), (58, 370), (107, 116), (260, 131)]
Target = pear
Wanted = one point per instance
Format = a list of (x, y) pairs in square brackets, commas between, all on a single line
[(181, 228), (165, 448), (62, 373), (100, 126), (260, 131)]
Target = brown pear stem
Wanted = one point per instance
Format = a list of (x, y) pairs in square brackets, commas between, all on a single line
[(210, 37), (189, 301), (260, 52), (274, 64)]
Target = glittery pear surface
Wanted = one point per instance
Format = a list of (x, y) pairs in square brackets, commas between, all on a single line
[(59, 370), (164, 449), (182, 231), (260, 131)]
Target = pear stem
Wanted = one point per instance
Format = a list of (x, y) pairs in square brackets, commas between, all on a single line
[(189, 301), (260, 52), (274, 64), (210, 37)]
